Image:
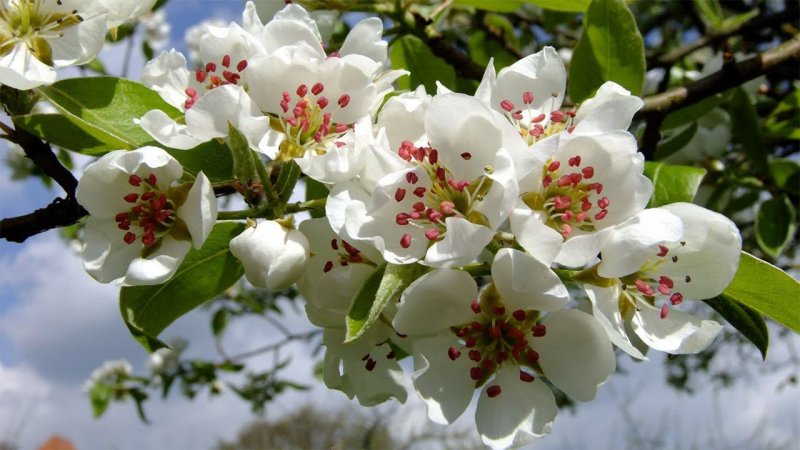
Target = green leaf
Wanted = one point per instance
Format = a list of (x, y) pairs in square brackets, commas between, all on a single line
[(786, 174), (691, 114), (62, 132), (287, 179), (610, 49), (672, 183), (775, 225), (491, 5), (746, 130), (100, 396), (745, 320), (766, 289), (381, 288), (675, 142), (203, 275), (244, 165), (315, 190), (482, 48), (219, 321), (410, 52), (562, 5), (710, 11), (213, 158), (106, 108)]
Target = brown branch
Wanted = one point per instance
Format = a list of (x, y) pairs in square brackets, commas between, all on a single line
[(728, 77), (463, 64)]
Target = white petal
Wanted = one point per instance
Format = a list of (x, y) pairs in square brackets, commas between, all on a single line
[(273, 256), (444, 385), (365, 39), (605, 308), (167, 131), (487, 85), (159, 266), (504, 192), (526, 283), (199, 212), (79, 44), (211, 114), (583, 249), (403, 117), (462, 244), (21, 70), (541, 73), (611, 108), (678, 333), (521, 407), (575, 354), (538, 239), (435, 302), (168, 76), (291, 26), (106, 256)]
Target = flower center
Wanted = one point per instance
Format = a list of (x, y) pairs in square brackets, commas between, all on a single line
[(151, 215), (568, 197), (345, 254), (445, 197), (307, 122), (533, 125), (209, 78), (648, 282), (30, 22)]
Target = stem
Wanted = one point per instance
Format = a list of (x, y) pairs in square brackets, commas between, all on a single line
[(269, 189), (318, 203), (240, 215)]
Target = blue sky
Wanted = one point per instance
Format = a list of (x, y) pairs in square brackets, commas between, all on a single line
[(57, 325)]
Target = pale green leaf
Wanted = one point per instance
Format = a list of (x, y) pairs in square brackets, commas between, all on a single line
[(411, 53), (672, 183), (775, 225)]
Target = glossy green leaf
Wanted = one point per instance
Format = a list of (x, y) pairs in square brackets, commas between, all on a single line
[(62, 132), (213, 158), (562, 5), (287, 179), (411, 53), (746, 320), (315, 190), (675, 142), (775, 225), (610, 49), (710, 11), (491, 5), (766, 289), (482, 48), (672, 183), (100, 397), (219, 322), (381, 288), (786, 174), (747, 131), (106, 108), (204, 274), (244, 165)]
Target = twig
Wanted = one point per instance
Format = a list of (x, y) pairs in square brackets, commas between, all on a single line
[(463, 64), (275, 346)]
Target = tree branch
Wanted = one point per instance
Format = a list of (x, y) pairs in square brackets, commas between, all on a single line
[(728, 77)]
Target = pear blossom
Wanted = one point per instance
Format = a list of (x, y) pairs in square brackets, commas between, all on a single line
[(465, 340), (365, 368), (156, 29), (141, 224), (444, 206), (274, 256), (676, 252)]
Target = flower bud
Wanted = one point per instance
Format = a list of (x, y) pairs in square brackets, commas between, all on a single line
[(274, 256)]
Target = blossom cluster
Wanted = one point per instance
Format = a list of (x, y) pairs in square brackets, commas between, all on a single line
[(525, 219)]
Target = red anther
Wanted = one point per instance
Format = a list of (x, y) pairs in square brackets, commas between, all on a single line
[(148, 195), (228, 75), (418, 153), (215, 80), (532, 355), (356, 259), (462, 185), (340, 128), (447, 207), (317, 88), (597, 187), (352, 251), (499, 310), (526, 377), (557, 116), (211, 67), (291, 121), (149, 238), (433, 215), (131, 198), (134, 180), (138, 210), (571, 113), (129, 238), (121, 217), (151, 179), (666, 281), (643, 287), (124, 225), (503, 325), (575, 178), (322, 102), (580, 217), (539, 330), (474, 355), (562, 202), (676, 298), (432, 234), (475, 306), (390, 355), (571, 129), (603, 203), (412, 178), (601, 215), (527, 97), (163, 215), (454, 184), (286, 96), (476, 326), (343, 101), (519, 315), (586, 205), (493, 391), (488, 364), (588, 172), (495, 332), (553, 166), (339, 144), (516, 334), (399, 194), (470, 341), (538, 118), (418, 206), (188, 104), (415, 215), (200, 76), (507, 105), (328, 266), (242, 65), (370, 364), (567, 216), (401, 219), (440, 173), (190, 92), (334, 244), (664, 311), (433, 156), (407, 145), (462, 332), (419, 192), (302, 90), (663, 289), (575, 161), (466, 156), (662, 251), (563, 181), (566, 230), (453, 353), (365, 357), (226, 60), (305, 125), (475, 373), (517, 115), (404, 153), (405, 240), (547, 180), (501, 356)]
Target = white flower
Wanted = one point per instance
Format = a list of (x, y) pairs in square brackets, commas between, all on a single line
[(121, 11), (365, 368), (194, 34), (464, 340), (710, 140), (574, 187), (36, 37), (675, 252), (110, 371), (274, 256), (156, 29), (611, 108), (444, 206), (141, 225)]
